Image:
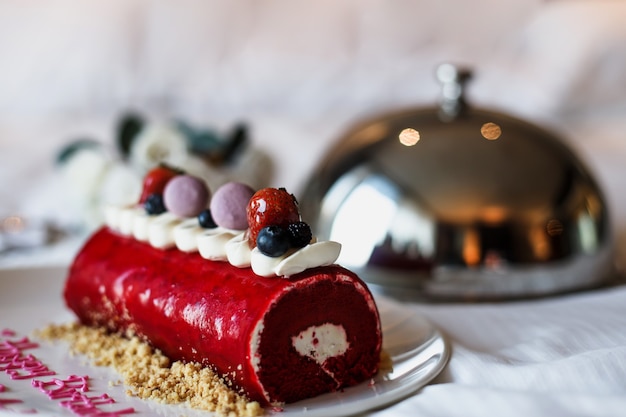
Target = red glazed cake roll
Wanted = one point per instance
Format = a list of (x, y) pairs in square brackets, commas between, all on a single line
[(232, 280), (278, 339)]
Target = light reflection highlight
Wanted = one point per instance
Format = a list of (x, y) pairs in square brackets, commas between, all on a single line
[(12, 224), (491, 131), (471, 247), (377, 206), (539, 243), (554, 227), (409, 136)]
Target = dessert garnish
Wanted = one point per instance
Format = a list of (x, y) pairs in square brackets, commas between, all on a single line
[(155, 180), (186, 195), (271, 207), (99, 171), (261, 229), (228, 205), (189, 268)]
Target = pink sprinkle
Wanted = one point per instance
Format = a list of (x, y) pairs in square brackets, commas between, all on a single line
[(7, 333), (84, 405), (24, 367), (9, 347), (5, 401), (65, 388)]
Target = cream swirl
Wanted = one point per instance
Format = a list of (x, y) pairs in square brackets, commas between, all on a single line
[(164, 231)]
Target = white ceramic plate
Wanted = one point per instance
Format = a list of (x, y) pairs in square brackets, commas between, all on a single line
[(31, 298)]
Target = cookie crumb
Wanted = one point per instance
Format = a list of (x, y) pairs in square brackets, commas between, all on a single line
[(148, 374), (386, 363)]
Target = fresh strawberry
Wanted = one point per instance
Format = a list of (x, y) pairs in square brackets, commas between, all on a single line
[(270, 207), (155, 180)]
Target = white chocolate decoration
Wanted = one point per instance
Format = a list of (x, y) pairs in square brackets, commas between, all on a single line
[(310, 256), (293, 262)]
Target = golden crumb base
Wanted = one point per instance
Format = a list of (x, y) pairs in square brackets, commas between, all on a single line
[(386, 363), (148, 374)]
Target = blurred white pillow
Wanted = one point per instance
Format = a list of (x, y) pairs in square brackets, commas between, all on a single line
[(570, 58), (303, 58), (212, 58), (64, 56)]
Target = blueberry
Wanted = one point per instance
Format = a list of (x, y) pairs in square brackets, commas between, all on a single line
[(273, 241), (154, 204), (299, 234), (206, 219)]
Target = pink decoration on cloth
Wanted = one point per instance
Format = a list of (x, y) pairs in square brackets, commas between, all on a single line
[(72, 389)]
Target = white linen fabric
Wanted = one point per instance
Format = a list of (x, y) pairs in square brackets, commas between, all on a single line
[(569, 58), (561, 356), (301, 73)]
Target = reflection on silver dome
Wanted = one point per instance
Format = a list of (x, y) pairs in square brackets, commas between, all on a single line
[(458, 216), (409, 137), (491, 131)]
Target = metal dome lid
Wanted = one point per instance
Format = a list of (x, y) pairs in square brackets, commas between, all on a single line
[(455, 202)]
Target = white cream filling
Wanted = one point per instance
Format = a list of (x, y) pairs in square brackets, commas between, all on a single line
[(321, 342), (166, 230), (318, 343)]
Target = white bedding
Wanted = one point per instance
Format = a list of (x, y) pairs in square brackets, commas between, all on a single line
[(300, 73)]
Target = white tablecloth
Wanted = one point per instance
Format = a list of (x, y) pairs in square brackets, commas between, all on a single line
[(559, 356)]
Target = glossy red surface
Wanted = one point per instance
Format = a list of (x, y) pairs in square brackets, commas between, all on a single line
[(198, 310), (270, 207)]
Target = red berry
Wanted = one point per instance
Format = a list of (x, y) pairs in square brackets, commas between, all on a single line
[(270, 207), (155, 180)]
